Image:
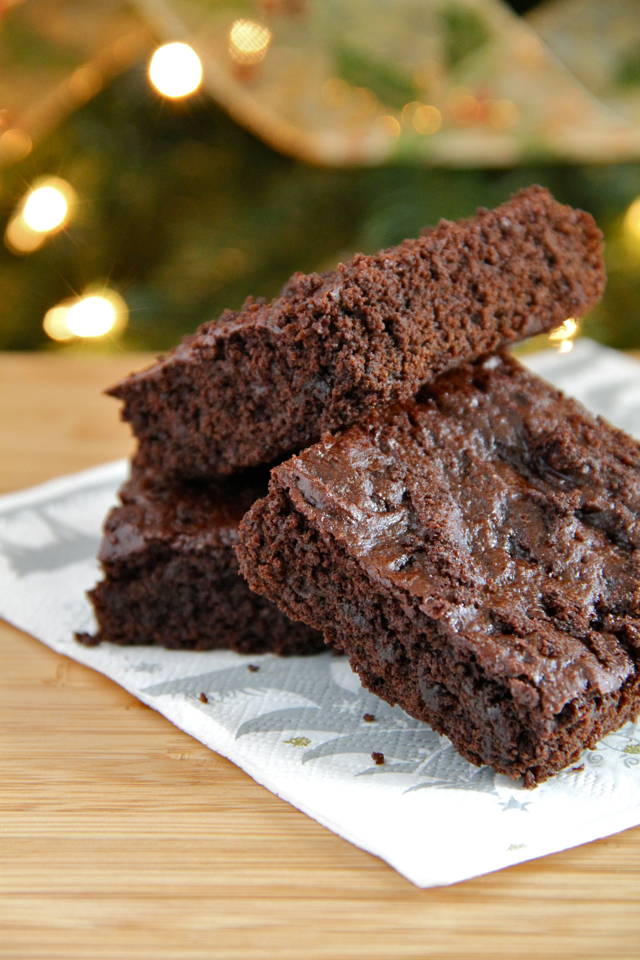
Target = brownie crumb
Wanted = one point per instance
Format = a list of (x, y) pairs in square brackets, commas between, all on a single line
[(378, 758), (252, 668), (203, 698), (369, 718), (577, 769), (88, 639)]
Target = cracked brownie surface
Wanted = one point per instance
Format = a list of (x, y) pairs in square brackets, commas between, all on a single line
[(475, 553)]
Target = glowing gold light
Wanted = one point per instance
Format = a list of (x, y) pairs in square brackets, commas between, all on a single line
[(91, 316), (175, 70), (562, 336), (43, 211), (565, 331), (632, 219), (20, 238), (248, 41), (427, 120), (46, 209), (55, 324)]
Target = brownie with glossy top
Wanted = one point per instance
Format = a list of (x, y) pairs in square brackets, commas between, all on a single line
[(171, 573), (475, 552)]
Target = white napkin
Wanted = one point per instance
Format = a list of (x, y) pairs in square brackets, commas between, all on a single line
[(296, 725)]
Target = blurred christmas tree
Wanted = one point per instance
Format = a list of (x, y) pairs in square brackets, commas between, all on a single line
[(185, 213)]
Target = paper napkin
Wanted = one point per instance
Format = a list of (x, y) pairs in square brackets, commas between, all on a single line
[(296, 725)]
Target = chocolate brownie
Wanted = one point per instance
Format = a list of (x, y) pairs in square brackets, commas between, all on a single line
[(475, 553), (262, 383), (171, 574)]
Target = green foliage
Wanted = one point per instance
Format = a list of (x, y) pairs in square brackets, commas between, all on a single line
[(186, 214), (628, 74), (465, 32), (391, 86)]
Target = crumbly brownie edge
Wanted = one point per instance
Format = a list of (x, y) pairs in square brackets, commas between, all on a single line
[(260, 384), (312, 577)]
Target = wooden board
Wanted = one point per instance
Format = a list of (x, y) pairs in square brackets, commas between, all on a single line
[(123, 839)]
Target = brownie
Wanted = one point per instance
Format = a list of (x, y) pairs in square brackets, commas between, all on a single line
[(475, 553), (267, 381), (171, 574)]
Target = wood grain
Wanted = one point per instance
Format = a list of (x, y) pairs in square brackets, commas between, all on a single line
[(123, 839)]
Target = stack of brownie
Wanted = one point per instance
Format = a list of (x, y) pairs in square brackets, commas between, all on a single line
[(464, 533)]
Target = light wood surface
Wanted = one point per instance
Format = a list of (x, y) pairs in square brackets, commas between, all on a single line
[(123, 839)]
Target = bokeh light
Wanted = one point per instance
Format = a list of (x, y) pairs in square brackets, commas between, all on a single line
[(567, 329), (84, 83), (389, 125), (43, 211), (46, 209), (562, 337), (15, 145), (21, 239), (427, 120), (632, 219), (175, 70), (248, 41), (55, 324), (90, 316), (464, 108)]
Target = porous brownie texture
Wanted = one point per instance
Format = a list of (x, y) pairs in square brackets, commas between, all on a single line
[(171, 573), (267, 381), (475, 553)]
